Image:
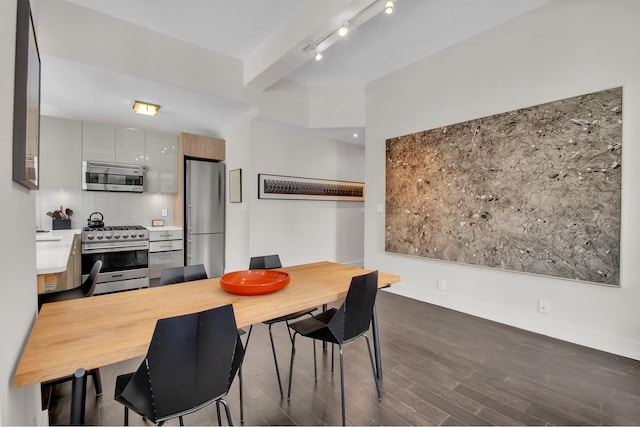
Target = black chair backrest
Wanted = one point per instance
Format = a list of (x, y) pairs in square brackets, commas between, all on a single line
[(265, 262), (187, 273), (190, 361), (354, 315), (89, 285)]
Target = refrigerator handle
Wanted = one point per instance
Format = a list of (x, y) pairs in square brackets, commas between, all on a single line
[(189, 217)]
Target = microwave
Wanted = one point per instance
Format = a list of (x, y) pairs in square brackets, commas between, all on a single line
[(100, 176)]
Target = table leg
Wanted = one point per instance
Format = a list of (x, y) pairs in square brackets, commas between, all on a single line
[(376, 342), (78, 396)]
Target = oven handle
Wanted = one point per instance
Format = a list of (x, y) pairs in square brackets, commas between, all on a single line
[(135, 246)]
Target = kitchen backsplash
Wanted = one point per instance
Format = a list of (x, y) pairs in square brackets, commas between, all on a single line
[(117, 208)]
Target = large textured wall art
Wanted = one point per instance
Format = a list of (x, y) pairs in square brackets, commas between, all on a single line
[(535, 190)]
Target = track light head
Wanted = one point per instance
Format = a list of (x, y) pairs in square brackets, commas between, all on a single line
[(343, 30), (388, 7)]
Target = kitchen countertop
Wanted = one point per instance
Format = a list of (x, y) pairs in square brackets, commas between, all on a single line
[(163, 228), (53, 249)]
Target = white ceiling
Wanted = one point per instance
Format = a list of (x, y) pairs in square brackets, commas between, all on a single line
[(383, 44)]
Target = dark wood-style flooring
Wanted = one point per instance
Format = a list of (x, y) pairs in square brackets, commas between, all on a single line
[(441, 367)]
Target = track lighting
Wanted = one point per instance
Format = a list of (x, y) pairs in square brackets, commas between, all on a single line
[(321, 44), (343, 30)]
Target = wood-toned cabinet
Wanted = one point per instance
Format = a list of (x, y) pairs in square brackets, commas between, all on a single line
[(68, 279), (60, 153)]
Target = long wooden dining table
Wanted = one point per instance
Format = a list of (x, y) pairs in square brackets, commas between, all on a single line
[(75, 336)]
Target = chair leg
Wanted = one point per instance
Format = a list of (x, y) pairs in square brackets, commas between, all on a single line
[(293, 352), (275, 360), (332, 357), (126, 416), (227, 411), (181, 420), (315, 363), (218, 412), (241, 394), (342, 385), (373, 368), (97, 381)]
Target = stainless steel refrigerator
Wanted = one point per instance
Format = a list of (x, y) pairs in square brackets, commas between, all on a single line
[(204, 215)]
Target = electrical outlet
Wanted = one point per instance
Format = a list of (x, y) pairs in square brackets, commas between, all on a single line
[(164, 212), (544, 306), (442, 284)]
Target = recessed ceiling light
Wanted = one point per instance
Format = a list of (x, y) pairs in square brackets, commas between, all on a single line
[(355, 135), (318, 56), (145, 108)]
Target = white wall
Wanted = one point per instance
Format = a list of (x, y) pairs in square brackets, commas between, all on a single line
[(237, 139), (304, 231), (565, 48), (18, 298)]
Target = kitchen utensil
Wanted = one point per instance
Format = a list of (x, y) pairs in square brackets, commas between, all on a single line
[(62, 214), (95, 220), (50, 214), (68, 212), (56, 214)]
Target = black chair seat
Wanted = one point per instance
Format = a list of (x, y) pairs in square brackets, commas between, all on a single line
[(61, 295)]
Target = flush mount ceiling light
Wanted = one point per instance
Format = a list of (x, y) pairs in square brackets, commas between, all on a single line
[(145, 108), (318, 56), (388, 7)]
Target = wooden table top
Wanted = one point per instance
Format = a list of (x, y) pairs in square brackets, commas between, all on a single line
[(104, 329)]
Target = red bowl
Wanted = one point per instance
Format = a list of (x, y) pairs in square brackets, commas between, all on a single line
[(254, 282)]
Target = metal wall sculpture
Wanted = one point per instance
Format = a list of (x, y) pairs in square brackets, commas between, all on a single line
[(289, 187), (535, 190)]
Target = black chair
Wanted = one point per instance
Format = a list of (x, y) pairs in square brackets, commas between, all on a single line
[(342, 325), (191, 362), (187, 273), (170, 276), (268, 262), (86, 289)]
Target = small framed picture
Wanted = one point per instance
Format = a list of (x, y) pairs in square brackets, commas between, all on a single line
[(235, 186)]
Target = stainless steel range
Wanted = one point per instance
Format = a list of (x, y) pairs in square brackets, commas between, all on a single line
[(124, 252)]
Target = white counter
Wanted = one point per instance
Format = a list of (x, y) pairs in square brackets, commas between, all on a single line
[(163, 228), (53, 249)]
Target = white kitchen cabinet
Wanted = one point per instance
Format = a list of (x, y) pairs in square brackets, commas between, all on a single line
[(60, 153), (130, 146), (161, 161), (98, 142), (165, 251)]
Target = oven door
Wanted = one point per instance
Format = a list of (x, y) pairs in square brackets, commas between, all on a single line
[(125, 266)]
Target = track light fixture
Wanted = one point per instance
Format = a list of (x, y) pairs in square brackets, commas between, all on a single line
[(342, 31), (328, 39)]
